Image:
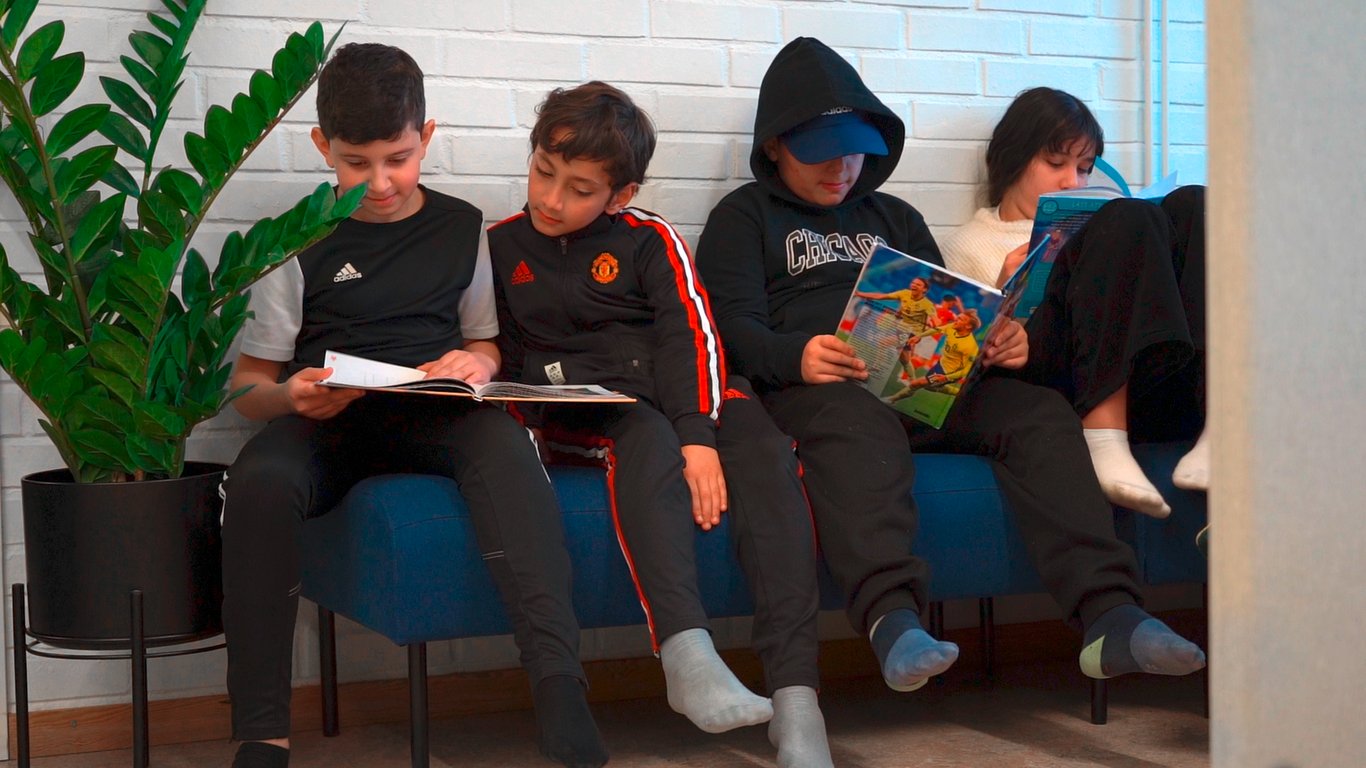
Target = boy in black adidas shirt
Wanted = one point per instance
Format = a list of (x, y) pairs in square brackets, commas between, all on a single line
[(592, 291), (402, 282)]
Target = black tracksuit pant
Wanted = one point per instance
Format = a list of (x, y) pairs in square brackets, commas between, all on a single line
[(296, 468), (856, 454), (1125, 304), (652, 509)]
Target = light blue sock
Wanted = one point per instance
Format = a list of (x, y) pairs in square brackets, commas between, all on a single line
[(906, 652)]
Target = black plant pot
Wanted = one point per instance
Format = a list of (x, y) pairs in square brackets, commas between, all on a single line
[(88, 545)]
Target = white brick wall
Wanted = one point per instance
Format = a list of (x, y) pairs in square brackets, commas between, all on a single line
[(949, 67)]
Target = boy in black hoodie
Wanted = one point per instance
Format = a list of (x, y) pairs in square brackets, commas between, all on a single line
[(781, 255), (591, 291)]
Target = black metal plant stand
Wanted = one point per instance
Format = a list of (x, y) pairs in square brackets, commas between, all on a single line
[(136, 652)]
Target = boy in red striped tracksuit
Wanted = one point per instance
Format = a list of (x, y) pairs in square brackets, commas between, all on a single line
[(592, 291)]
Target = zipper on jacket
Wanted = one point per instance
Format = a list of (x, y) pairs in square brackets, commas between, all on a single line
[(564, 278)]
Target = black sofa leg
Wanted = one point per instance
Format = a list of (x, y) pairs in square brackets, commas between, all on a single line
[(986, 607), (1100, 704), (936, 619), (327, 662), (417, 703)]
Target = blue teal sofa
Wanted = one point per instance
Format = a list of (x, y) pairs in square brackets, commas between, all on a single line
[(398, 556)]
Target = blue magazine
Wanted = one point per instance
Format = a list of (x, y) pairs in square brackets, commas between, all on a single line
[(1060, 215)]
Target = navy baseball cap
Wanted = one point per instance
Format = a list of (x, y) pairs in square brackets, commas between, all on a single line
[(836, 133)]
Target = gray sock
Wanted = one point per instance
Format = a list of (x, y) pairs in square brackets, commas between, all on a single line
[(1126, 639), (703, 689), (798, 729)]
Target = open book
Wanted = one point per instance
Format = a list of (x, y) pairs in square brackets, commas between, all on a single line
[(1060, 215), (920, 328), (359, 373)]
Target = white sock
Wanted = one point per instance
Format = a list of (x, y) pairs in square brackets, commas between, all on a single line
[(798, 729), (1192, 471), (1120, 476), (703, 689)]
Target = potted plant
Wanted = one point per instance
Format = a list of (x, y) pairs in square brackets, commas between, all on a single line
[(121, 362)]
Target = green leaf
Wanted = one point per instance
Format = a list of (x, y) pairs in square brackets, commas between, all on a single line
[(318, 204), (114, 355), (99, 448), (347, 203), (177, 9), (285, 67), (314, 36), (127, 100), (21, 364), (55, 82), (83, 170), (149, 47), (164, 26), (157, 420), (229, 257), (304, 52), (39, 48), (11, 346), (250, 116), (224, 132), (182, 188), (144, 77), (74, 126), (11, 97), (49, 256), (118, 178), (99, 225), (19, 13), (64, 312), (194, 279), (124, 134), (120, 386), (206, 158), (267, 92), (161, 216)]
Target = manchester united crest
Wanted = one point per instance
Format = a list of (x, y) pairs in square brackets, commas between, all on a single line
[(605, 268)]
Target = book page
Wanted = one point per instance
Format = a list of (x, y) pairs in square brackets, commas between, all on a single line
[(352, 371)]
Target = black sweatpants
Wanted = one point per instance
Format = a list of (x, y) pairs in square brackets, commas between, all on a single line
[(296, 468), (857, 456), (1125, 304), (652, 508)]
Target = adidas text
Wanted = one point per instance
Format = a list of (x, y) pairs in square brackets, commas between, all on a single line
[(347, 272)]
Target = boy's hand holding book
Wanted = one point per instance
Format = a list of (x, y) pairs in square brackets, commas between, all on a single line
[(312, 400), (472, 367), (1008, 347), (826, 360)]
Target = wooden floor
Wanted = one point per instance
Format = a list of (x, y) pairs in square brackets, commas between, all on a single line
[(1034, 715)]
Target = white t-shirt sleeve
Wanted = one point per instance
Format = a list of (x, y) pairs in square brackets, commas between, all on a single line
[(478, 313), (277, 304)]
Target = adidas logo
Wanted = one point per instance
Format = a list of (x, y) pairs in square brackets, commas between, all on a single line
[(347, 272), (522, 274)]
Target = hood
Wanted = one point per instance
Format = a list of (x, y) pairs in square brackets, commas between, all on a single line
[(805, 79)]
